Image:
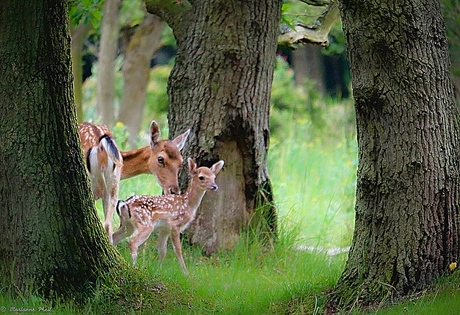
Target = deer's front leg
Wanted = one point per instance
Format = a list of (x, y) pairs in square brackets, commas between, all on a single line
[(175, 236), (123, 231)]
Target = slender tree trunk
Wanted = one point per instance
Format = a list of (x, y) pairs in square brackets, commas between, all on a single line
[(407, 213), (52, 241), (79, 34), (136, 73), (307, 62), (220, 88), (106, 62)]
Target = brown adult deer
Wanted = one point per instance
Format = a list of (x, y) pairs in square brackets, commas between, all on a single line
[(103, 163), (162, 158), (169, 215)]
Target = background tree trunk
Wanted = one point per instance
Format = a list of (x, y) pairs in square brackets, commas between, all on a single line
[(307, 62), (407, 223), (106, 61), (52, 240), (79, 34), (136, 73), (220, 88)]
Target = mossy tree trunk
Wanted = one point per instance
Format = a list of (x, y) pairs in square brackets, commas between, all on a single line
[(220, 88), (52, 241), (408, 189)]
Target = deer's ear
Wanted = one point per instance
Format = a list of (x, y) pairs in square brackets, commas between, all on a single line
[(154, 133), (180, 140), (217, 167), (191, 166)]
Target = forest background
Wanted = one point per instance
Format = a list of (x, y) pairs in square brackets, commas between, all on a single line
[(313, 180)]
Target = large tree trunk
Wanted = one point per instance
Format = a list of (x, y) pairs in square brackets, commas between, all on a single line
[(136, 73), (220, 88), (407, 223), (52, 241), (106, 61)]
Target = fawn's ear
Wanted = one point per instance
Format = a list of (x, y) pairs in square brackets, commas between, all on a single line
[(191, 166), (180, 140), (123, 209), (217, 167), (154, 133)]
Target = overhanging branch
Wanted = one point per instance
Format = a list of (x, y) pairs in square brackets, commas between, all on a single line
[(316, 34), (168, 10)]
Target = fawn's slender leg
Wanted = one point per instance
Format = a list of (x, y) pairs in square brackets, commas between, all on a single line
[(175, 236), (123, 231), (138, 239), (163, 235)]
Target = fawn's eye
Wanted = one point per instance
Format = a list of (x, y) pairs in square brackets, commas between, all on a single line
[(161, 160), (201, 177)]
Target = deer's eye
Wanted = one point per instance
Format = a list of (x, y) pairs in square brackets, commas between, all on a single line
[(201, 177), (161, 160)]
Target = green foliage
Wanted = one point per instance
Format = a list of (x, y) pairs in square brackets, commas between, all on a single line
[(87, 10), (157, 99), (451, 10), (131, 12), (290, 101), (294, 11)]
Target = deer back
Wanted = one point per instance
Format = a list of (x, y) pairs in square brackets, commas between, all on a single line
[(90, 134)]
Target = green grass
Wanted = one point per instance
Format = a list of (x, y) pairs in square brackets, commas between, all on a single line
[(314, 186), (245, 281), (313, 181), (313, 172)]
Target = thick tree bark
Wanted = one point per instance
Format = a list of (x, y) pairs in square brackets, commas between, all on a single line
[(136, 73), (52, 241), (106, 62), (407, 223), (220, 88)]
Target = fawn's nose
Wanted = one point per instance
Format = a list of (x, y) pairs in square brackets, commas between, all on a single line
[(213, 187)]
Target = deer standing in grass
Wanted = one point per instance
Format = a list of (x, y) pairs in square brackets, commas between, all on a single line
[(162, 158), (103, 163), (169, 215)]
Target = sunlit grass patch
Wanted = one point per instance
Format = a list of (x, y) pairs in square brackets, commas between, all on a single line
[(248, 280), (314, 186)]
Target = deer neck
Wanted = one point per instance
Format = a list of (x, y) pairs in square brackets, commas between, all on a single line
[(135, 162), (193, 197)]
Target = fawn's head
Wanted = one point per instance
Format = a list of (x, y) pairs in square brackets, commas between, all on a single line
[(203, 176), (165, 158)]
